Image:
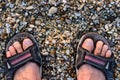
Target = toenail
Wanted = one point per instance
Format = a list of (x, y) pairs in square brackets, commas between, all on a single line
[(105, 46), (15, 43), (88, 42), (100, 42), (109, 53), (27, 42)]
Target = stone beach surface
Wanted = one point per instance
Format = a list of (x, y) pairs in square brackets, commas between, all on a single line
[(58, 25)]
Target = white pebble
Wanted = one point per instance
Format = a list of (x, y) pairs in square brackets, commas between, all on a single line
[(31, 25), (46, 42), (29, 7), (52, 10), (67, 52), (44, 52), (52, 2)]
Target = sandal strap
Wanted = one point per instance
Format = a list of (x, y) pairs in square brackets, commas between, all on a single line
[(13, 63), (104, 64)]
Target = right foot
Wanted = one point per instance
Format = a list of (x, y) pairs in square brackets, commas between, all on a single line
[(30, 71), (86, 71)]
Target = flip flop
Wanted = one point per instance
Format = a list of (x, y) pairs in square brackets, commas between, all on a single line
[(31, 54), (83, 56)]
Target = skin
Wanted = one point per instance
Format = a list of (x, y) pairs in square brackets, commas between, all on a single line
[(30, 71), (87, 72)]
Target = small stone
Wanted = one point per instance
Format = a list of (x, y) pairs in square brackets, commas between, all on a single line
[(83, 1), (46, 42), (59, 70), (67, 52), (31, 25), (37, 22), (17, 1), (45, 53), (53, 52), (26, 13), (0, 24), (68, 21), (77, 14), (52, 10), (52, 2), (42, 24), (7, 30), (29, 7), (54, 41), (11, 5), (119, 76), (64, 1), (106, 27), (81, 6), (7, 25), (117, 38), (29, 29), (118, 47)]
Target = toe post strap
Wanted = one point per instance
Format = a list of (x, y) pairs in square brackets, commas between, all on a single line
[(104, 64)]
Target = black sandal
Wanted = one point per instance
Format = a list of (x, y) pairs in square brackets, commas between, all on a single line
[(106, 65), (31, 54)]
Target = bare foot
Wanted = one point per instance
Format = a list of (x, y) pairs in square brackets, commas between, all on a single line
[(30, 71), (87, 72)]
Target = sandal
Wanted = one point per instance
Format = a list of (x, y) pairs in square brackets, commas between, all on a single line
[(83, 56), (31, 54)]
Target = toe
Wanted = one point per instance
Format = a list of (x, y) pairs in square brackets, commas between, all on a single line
[(108, 53), (8, 54), (88, 44), (27, 43), (12, 50), (98, 48), (104, 50), (18, 47)]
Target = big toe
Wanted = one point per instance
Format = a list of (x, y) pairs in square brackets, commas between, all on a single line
[(88, 44), (27, 43)]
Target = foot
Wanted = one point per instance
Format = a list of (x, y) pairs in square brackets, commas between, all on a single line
[(86, 71), (30, 71)]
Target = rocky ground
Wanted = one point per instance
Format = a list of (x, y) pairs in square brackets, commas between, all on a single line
[(58, 25)]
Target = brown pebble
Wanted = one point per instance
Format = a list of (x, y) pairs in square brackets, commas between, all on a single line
[(0, 24)]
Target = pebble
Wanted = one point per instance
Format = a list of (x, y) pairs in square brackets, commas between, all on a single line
[(45, 53), (37, 22), (30, 29), (11, 5), (118, 47), (68, 21), (0, 24), (52, 10), (67, 52), (29, 7), (53, 2), (52, 52), (31, 25), (117, 38)]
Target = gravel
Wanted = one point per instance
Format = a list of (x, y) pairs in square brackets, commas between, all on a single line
[(58, 25)]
